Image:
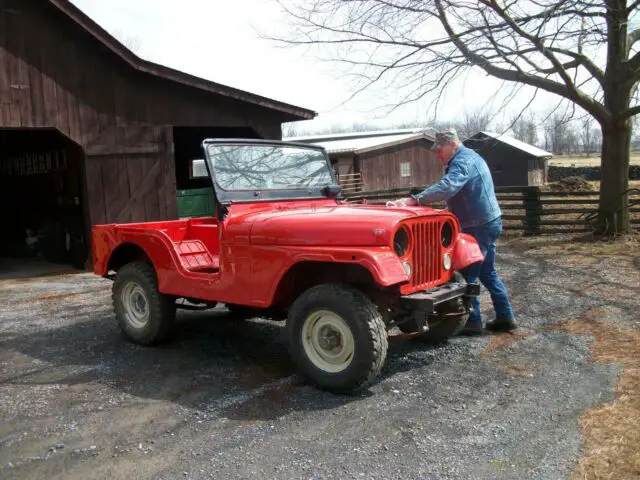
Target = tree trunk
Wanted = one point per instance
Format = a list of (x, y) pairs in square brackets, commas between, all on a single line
[(616, 143)]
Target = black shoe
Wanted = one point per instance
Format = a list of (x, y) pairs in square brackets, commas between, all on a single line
[(472, 329), (502, 325)]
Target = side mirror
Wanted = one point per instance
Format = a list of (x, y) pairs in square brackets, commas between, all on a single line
[(332, 191)]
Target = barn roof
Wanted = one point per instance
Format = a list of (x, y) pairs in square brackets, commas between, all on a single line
[(361, 142), (137, 63), (513, 142)]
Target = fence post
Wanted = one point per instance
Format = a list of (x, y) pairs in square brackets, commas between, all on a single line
[(533, 210)]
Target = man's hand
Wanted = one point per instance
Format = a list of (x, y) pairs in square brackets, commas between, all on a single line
[(403, 202)]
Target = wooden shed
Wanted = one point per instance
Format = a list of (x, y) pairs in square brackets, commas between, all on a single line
[(381, 160), (512, 162), (90, 133)]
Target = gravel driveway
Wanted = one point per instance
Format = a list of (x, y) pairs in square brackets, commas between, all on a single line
[(221, 401)]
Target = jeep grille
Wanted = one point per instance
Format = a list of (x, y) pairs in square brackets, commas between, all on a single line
[(426, 254)]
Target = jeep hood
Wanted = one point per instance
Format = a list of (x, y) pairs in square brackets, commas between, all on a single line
[(333, 225)]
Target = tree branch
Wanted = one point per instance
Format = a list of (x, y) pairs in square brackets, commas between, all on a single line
[(632, 38), (537, 43), (634, 67), (632, 112), (591, 67), (590, 105)]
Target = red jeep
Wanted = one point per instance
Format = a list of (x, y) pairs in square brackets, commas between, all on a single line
[(284, 245)]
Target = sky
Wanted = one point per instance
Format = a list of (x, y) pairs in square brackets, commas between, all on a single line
[(217, 40)]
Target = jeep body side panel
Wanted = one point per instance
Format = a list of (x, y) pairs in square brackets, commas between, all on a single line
[(247, 275)]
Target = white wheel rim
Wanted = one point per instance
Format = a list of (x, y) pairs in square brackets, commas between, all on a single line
[(328, 341), (136, 306)]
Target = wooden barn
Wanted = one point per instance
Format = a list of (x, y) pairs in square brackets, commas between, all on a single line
[(90, 133), (382, 159), (512, 162)]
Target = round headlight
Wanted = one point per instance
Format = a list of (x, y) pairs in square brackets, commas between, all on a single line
[(446, 234), (401, 242), (446, 261), (407, 268)]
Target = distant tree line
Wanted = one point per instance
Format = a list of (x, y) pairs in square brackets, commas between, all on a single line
[(555, 132)]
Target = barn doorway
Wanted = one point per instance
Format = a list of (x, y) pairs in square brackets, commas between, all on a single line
[(41, 193), (195, 197)]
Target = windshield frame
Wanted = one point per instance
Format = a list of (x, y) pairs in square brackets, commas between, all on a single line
[(255, 195)]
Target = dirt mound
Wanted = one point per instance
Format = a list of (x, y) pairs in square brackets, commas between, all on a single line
[(571, 184)]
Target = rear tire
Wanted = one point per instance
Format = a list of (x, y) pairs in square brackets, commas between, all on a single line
[(337, 338), (145, 315)]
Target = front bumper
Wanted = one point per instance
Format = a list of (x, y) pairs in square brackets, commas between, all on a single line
[(426, 301)]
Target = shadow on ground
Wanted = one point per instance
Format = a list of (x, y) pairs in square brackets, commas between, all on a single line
[(238, 369)]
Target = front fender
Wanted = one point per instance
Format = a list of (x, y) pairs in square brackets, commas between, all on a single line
[(384, 266), (466, 252)]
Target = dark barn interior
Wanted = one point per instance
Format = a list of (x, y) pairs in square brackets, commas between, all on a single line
[(41, 179)]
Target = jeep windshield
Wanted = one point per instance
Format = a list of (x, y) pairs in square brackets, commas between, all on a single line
[(254, 170)]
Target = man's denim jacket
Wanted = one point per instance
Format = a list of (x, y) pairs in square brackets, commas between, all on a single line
[(468, 189)]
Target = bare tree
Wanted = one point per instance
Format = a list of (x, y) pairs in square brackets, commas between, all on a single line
[(572, 143), (133, 43), (525, 128), (580, 50), (586, 135), (557, 135), (289, 130), (472, 122)]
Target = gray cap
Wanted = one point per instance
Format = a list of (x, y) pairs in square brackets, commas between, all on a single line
[(444, 137)]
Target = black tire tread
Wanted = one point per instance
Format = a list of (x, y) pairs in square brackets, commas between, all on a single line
[(442, 331), (163, 307), (365, 311)]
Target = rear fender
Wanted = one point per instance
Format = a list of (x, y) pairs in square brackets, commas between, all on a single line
[(466, 252)]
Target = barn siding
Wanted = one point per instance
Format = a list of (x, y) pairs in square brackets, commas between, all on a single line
[(509, 166), (381, 169), (55, 74), (94, 89)]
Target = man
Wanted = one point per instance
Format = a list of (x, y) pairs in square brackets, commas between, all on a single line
[(467, 186)]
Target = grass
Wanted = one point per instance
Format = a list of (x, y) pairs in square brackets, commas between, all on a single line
[(586, 161), (584, 245)]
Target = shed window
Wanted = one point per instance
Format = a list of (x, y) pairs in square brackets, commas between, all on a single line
[(405, 169), (198, 168)]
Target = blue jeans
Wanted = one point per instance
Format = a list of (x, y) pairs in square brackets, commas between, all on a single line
[(487, 235)]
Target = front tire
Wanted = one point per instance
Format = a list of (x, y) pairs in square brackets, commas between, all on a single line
[(337, 338), (145, 315)]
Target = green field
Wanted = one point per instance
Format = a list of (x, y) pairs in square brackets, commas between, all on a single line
[(582, 161)]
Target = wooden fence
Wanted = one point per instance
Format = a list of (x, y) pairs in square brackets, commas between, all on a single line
[(350, 182), (528, 209)]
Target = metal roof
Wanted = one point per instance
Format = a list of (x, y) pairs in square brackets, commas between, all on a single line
[(362, 145), (515, 143), (356, 135), (137, 63), (360, 142)]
